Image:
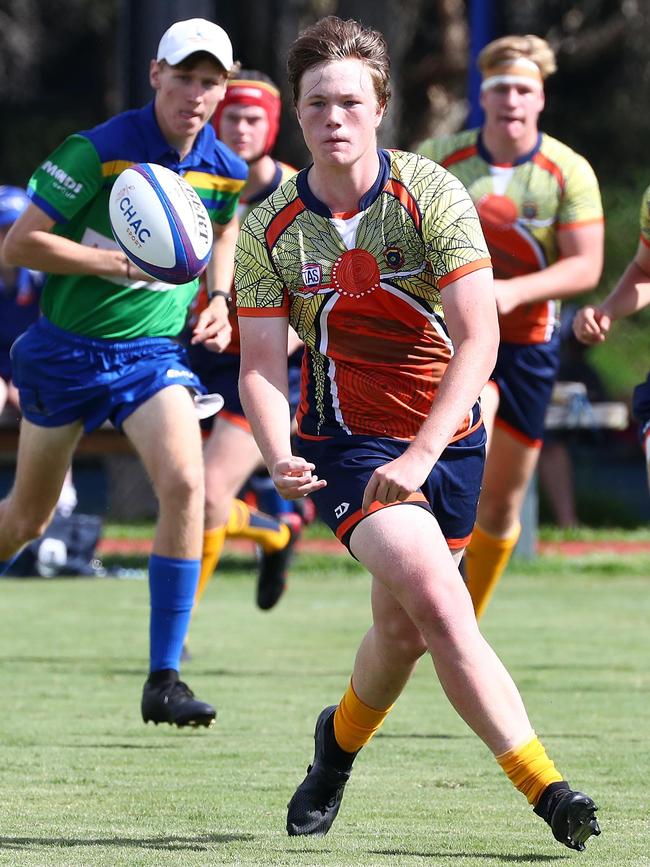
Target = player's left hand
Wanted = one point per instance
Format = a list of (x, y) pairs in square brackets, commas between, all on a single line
[(294, 478), (506, 296), (395, 481), (213, 327)]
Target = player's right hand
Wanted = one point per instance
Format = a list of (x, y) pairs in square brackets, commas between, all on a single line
[(294, 479), (591, 325)]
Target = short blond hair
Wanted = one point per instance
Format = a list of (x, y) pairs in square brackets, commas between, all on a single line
[(506, 48)]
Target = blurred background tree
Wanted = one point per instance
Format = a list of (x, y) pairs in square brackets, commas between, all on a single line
[(66, 65)]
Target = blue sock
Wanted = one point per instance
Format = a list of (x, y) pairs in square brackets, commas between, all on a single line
[(172, 586)]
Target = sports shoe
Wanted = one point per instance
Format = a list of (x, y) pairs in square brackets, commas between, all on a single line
[(169, 700), (272, 575), (317, 799), (570, 814)]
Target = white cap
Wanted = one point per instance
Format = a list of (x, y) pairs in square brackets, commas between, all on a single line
[(196, 34)]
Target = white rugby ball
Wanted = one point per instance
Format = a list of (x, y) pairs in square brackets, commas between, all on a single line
[(160, 222)]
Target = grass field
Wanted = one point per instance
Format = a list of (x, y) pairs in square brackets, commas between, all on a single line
[(84, 782)]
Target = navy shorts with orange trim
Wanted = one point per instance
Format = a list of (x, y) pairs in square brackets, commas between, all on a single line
[(450, 492), (525, 375)]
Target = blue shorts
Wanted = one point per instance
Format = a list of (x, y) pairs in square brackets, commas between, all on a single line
[(641, 406), (450, 492), (219, 372), (525, 375), (64, 377)]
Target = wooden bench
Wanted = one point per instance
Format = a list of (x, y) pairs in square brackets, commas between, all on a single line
[(104, 441)]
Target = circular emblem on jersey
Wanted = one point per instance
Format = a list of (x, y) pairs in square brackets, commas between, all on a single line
[(356, 273), (499, 212), (529, 210), (394, 257)]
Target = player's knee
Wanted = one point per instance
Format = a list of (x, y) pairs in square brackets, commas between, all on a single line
[(498, 514), (181, 485), (216, 493), (404, 640)]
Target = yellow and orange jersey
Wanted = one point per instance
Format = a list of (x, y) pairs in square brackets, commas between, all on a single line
[(362, 290), (644, 218), (522, 207)]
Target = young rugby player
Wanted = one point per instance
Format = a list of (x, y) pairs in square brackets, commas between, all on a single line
[(539, 206), (377, 259), (248, 121), (105, 347)]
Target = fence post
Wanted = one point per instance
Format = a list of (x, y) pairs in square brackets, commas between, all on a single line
[(527, 545)]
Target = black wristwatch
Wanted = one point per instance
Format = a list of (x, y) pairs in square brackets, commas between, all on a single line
[(219, 293)]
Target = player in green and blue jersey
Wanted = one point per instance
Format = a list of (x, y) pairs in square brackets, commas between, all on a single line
[(106, 348)]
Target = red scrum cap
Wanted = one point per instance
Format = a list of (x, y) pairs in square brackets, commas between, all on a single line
[(253, 88)]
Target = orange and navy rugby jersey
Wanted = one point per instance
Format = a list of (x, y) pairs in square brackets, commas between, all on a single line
[(283, 171), (522, 207), (644, 218), (362, 290)]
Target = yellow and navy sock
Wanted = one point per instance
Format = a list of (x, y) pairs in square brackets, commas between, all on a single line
[(485, 561), (266, 531), (529, 769)]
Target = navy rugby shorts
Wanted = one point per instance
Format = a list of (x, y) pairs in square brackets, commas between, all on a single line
[(450, 492), (525, 375), (65, 377)]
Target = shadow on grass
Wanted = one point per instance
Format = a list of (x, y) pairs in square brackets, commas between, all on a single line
[(177, 744), (193, 671), (167, 844), (407, 736), (482, 856)]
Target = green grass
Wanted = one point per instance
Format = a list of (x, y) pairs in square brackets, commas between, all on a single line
[(84, 782)]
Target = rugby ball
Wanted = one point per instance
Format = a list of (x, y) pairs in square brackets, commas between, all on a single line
[(160, 223)]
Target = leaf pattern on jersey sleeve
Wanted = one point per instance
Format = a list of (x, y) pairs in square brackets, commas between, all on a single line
[(256, 283), (451, 227)]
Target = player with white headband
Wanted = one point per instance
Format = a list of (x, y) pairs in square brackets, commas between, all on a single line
[(540, 209)]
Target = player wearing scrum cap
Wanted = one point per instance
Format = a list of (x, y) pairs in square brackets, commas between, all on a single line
[(105, 346), (540, 209), (248, 121)]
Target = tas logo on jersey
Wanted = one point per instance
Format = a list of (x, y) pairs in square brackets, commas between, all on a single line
[(63, 180), (394, 257), (312, 275), (341, 509)]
